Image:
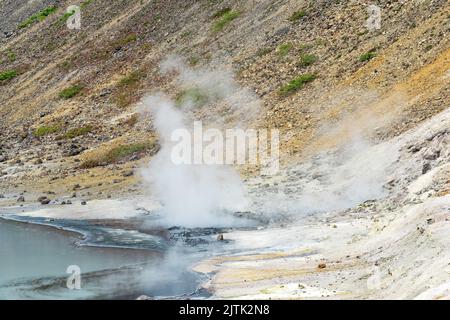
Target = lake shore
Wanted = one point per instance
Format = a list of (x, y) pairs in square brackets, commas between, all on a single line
[(37, 257)]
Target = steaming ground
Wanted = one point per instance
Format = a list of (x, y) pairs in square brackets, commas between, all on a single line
[(375, 214), (372, 223), (355, 219), (361, 221), (331, 180), (191, 195), (380, 231), (196, 194)]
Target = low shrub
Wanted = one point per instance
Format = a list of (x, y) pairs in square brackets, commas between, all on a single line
[(40, 16), (221, 13), (77, 132), (45, 130), (296, 83), (297, 15), (367, 56), (7, 75), (307, 60), (224, 19), (126, 40), (117, 153), (284, 49), (194, 95), (70, 92)]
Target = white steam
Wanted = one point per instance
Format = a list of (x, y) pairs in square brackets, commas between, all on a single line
[(332, 180), (352, 175), (348, 173), (228, 103), (194, 195)]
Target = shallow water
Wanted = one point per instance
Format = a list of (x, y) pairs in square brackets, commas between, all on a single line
[(34, 260)]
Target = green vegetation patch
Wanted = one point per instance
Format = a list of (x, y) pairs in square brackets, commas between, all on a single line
[(46, 130), (126, 40), (70, 92), (117, 154), (7, 75), (284, 49), (367, 56), (221, 13), (297, 15), (86, 3), (307, 59), (123, 151), (77, 132), (297, 83), (66, 16), (130, 79), (224, 19), (40, 16), (126, 88), (11, 55), (194, 95)]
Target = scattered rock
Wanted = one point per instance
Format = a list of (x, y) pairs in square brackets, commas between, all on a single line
[(105, 92), (128, 173), (322, 266), (44, 200), (74, 150), (21, 199), (432, 154), (83, 203), (7, 34), (220, 237), (414, 148), (426, 167), (391, 183)]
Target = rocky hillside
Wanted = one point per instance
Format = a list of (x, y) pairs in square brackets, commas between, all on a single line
[(68, 98)]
